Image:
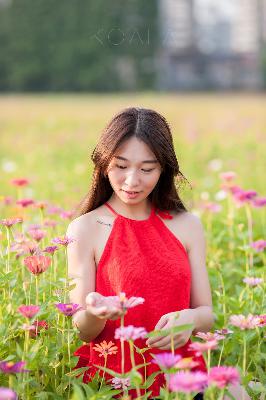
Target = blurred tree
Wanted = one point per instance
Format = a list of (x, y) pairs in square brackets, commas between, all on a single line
[(79, 45)]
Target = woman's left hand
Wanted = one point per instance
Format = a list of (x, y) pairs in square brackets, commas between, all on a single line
[(167, 321)]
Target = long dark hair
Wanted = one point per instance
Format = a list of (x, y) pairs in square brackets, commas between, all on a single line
[(152, 128)]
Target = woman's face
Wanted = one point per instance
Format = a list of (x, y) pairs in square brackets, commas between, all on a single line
[(133, 168)]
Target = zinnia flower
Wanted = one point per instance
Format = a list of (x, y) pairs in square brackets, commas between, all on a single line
[(7, 394), (64, 240), (223, 376), (37, 264), (123, 303), (37, 327), (187, 381), (9, 367), (50, 249), (242, 322), (202, 347), (105, 349), (259, 202), (20, 182), (166, 360), (68, 309), (25, 202), (120, 383), (37, 234), (252, 281), (8, 222), (28, 311), (227, 176), (259, 245), (262, 320), (223, 331), (209, 336), (67, 214), (130, 332)]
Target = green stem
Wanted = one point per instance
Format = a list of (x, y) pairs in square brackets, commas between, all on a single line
[(37, 289), (132, 358), (122, 349), (105, 362), (250, 233), (209, 361), (244, 354)]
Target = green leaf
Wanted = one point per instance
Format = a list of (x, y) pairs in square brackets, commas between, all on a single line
[(135, 377), (77, 371), (166, 332)]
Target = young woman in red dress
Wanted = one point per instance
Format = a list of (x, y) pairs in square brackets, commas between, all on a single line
[(134, 235)]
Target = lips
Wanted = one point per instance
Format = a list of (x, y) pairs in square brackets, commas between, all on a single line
[(130, 192)]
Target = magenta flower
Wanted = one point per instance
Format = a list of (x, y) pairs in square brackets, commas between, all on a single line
[(64, 240), (120, 383), (166, 360), (242, 322), (20, 182), (259, 245), (9, 367), (68, 309), (50, 249), (223, 376), (9, 222), (130, 332), (28, 311), (25, 202), (244, 196), (259, 202), (210, 336), (7, 394), (187, 382), (203, 347), (252, 281)]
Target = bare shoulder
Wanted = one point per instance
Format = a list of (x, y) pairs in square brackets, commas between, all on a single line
[(191, 227), (83, 224)]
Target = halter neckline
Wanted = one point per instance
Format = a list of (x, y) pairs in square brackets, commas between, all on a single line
[(130, 219)]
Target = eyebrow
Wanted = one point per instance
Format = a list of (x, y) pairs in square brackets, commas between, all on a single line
[(145, 161)]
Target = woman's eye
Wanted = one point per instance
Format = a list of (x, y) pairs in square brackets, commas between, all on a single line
[(144, 170)]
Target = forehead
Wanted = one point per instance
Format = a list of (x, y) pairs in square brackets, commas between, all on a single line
[(135, 149)]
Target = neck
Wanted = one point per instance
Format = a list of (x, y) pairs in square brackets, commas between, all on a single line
[(139, 210)]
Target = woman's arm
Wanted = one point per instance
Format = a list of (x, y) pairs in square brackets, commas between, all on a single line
[(81, 267), (200, 299)]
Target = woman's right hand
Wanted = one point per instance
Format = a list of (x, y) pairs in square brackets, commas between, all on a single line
[(99, 306)]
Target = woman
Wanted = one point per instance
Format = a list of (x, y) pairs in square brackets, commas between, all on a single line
[(133, 234)]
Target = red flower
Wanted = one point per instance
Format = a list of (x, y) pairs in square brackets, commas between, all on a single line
[(20, 182), (38, 326), (37, 264)]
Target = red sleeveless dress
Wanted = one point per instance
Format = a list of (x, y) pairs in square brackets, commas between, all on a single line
[(142, 258)]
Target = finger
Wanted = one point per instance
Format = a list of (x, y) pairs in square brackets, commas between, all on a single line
[(160, 324), (98, 310), (166, 345), (161, 342)]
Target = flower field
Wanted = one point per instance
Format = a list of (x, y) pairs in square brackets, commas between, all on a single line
[(46, 142)]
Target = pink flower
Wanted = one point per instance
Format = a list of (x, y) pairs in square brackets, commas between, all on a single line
[(28, 311), (67, 214), (7, 394), (7, 200), (8, 222), (50, 249), (122, 302), (25, 202), (244, 196), (209, 336), (37, 264), (202, 347), (64, 240), (130, 332), (37, 327), (259, 245), (54, 210), (120, 383), (252, 281), (242, 322), (50, 223), (68, 309), (262, 320), (223, 331), (37, 234), (223, 376), (259, 202), (20, 182), (212, 207), (166, 360), (187, 381), (9, 367), (227, 176)]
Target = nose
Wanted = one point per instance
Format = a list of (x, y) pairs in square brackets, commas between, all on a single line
[(132, 179)]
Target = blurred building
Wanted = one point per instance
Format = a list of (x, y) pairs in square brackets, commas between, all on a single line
[(209, 44)]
